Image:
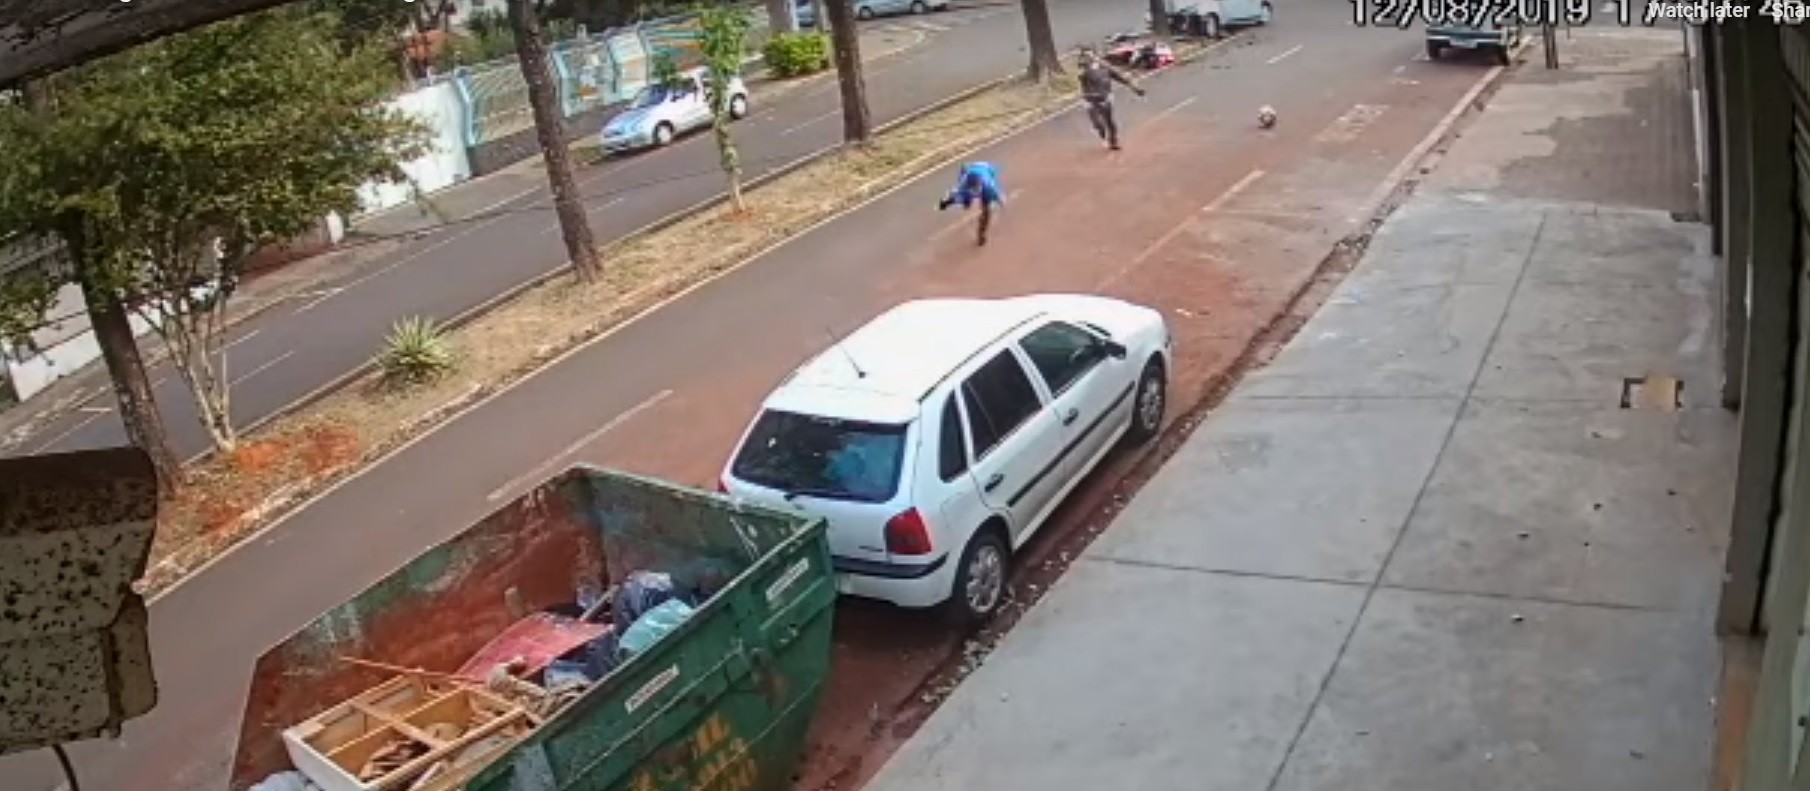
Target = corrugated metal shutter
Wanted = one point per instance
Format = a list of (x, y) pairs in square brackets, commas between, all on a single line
[(1795, 49)]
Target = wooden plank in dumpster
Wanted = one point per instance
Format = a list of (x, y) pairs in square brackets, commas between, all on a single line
[(75, 657)]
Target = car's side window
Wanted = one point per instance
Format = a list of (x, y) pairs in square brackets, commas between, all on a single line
[(1000, 398), (952, 443), (1062, 353)]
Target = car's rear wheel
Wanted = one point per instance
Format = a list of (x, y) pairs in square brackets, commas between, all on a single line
[(1500, 55), (738, 107), (1434, 50), (663, 134), (864, 12), (980, 580), (919, 7), (1149, 403), (1209, 26)]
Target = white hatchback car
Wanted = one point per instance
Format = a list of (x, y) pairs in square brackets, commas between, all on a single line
[(936, 439), (660, 113)]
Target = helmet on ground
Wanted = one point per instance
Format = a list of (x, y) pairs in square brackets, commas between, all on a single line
[(1266, 116)]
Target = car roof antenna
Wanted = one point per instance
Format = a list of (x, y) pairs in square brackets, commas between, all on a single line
[(859, 372)]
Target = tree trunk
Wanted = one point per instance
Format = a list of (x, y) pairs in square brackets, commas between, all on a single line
[(1159, 19), (131, 387), (857, 122), (1046, 62), (780, 18), (549, 126), (731, 161)]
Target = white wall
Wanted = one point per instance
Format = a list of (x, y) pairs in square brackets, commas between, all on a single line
[(445, 163), (64, 346)]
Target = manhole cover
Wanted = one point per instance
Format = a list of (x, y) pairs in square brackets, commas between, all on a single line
[(1657, 393)]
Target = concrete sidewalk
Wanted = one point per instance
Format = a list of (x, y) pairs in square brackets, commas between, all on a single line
[(1427, 548)]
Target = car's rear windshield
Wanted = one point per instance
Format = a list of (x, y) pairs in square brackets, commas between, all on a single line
[(813, 456)]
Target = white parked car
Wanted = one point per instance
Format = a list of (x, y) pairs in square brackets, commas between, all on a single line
[(660, 113), (936, 439)]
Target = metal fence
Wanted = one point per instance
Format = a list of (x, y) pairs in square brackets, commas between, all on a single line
[(590, 71)]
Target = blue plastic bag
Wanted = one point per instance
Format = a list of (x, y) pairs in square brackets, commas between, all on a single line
[(651, 627), (641, 591)]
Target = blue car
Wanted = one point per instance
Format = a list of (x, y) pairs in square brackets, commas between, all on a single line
[(1211, 18), (1495, 40)]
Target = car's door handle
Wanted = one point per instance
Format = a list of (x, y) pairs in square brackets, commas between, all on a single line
[(1069, 416), (994, 482)]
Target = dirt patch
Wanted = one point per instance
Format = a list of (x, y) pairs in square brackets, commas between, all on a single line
[(284, 461)]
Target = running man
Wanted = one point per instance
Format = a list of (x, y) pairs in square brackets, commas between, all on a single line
[(1096, 87), (979, 181)]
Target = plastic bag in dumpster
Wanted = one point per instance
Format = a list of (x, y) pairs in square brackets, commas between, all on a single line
[(641, 592), (286, 781), (649, 628)]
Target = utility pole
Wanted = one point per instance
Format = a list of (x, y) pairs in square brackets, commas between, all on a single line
[(1550, 39)]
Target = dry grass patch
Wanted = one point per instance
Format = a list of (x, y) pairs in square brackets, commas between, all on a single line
[(231, 495)]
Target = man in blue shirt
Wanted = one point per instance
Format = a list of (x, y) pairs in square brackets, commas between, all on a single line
[(978, 181)]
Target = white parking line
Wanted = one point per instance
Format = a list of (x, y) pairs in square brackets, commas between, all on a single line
[(1232, 192), (1278, 59), (1224, 197), (547, 466), (1172, 108)]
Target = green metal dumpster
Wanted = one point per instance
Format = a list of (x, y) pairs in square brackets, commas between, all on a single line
[(722, 703)]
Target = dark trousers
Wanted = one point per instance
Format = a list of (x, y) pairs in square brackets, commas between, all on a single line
[(1099, 111)]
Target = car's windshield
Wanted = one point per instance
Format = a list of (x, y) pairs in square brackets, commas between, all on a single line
[(822, 457), (650, 96)]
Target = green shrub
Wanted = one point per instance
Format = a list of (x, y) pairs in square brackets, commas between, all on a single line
[(796, 54), (415, 352)]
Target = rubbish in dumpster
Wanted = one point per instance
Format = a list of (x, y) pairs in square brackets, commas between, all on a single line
[(537, 640), (641, 591), (390, 757), (567, 549), (653, 626), (392, 734), (286, 781)]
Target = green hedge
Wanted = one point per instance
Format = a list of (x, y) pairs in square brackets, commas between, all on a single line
[(795, 54)]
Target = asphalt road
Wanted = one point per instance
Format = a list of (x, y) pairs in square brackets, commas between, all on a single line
[(667, 394), (295, 349)]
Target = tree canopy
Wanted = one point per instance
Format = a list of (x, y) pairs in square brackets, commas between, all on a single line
[(165, 168)]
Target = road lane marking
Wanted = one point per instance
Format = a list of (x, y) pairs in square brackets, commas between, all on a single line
[(544, 468), (1169, 236), (1171, 111), (58, 439), (1278, 59), (1347, 127), (555, 227), (963, 221), (1232, 191), (95, 410), (826, 116), (272, 363), (241, 339), (319, 297)]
